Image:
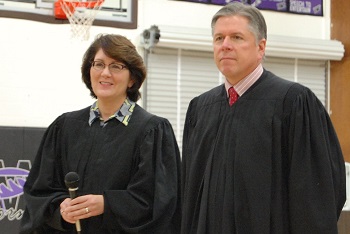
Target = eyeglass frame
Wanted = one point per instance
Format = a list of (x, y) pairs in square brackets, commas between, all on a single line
[(104, 66)]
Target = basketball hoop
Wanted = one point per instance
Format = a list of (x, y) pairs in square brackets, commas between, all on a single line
[(80, 13)]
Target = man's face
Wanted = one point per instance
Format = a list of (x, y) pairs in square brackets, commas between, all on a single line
[(236, 52)]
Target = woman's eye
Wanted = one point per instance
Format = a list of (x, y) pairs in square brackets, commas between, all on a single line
[(115, 67), (99, 65)]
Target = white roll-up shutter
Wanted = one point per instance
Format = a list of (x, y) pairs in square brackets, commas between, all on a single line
[(174, 78), (162, 84), (311, 73)]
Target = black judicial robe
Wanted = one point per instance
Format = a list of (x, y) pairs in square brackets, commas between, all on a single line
[(135, 167), (271, 163)]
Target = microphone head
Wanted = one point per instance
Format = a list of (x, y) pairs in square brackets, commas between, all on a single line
[(71, 180)]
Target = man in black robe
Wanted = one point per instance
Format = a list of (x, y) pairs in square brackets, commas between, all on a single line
[(269, 163)]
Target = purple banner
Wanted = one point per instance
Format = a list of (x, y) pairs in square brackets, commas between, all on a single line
[(306, 7), (201, 1), (217, 2), (224, 2), (276, 5)]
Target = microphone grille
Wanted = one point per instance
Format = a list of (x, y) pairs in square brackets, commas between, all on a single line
[(71, 180)]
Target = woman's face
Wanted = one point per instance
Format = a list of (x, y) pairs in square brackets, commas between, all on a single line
[(109, 78)]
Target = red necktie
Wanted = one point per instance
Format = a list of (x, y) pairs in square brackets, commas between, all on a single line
[(233, 96)]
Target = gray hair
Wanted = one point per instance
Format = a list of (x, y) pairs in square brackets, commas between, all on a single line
[(257, 24)]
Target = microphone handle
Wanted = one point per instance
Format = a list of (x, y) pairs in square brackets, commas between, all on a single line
[(73, 194), (77, 226)]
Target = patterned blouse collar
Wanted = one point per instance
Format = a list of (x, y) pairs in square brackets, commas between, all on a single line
[(123, 114)]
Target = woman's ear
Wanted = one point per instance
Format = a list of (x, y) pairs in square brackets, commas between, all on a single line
[(131, 83)]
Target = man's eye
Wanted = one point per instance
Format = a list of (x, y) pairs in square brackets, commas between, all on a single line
[(218, 38)]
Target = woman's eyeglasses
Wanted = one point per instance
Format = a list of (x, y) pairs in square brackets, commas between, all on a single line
[(113, 67)]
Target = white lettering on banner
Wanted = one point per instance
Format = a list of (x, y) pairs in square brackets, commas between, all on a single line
[(300, 6), (11, 214)]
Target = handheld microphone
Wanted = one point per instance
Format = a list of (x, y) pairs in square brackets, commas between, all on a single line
[(72, 181)]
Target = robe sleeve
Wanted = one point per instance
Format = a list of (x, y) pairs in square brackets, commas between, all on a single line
[(316, 178), (44, 189), (150, 204)]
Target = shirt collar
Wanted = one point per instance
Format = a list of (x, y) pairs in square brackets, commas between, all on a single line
[(123, 114), (243, 85)]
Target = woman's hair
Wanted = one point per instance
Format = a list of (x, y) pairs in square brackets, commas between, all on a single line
[(256, 20), (122, 50)]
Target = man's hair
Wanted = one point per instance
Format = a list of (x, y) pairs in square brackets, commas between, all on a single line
[(256, 20)]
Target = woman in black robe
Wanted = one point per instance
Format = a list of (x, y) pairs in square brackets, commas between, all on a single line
[(126, 158)]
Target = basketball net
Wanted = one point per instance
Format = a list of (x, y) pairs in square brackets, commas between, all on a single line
[(80, 13)]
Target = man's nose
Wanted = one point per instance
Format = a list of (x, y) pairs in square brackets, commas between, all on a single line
[(227, 43)]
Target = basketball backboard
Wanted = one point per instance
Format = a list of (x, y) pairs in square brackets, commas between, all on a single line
[(114, 13)]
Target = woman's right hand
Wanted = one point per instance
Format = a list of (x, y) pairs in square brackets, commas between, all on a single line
[(64, 205), (82, 207)]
